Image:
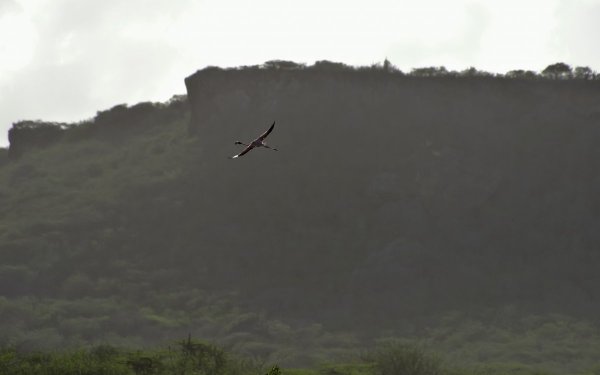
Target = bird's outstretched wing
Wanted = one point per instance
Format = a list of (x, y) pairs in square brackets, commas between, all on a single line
[(264, 135), (250, 147)]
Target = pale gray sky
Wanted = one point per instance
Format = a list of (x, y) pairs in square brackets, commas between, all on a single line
[(63, 60)]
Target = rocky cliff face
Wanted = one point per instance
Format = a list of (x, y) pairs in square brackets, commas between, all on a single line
[(427, 190)]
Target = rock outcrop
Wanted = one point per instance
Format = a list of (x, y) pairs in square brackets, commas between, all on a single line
[(474, 176)]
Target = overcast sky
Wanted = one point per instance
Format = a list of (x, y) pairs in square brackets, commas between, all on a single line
[(63, 60)]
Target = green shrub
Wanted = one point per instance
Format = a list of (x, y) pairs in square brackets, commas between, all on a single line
[(403, 359)]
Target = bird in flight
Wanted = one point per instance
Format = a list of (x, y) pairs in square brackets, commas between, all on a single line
[(258, 142)]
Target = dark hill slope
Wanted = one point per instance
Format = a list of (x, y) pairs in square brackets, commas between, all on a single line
[(392, 199), (395, 195)]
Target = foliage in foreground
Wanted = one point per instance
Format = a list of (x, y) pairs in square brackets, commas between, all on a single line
[(187, 357), (400, 359), (191, 357), (504, 335)]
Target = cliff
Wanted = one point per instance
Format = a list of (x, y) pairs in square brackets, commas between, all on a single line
[(429, 193)]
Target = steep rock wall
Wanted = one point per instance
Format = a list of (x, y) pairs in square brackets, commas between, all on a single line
[(421, 187)]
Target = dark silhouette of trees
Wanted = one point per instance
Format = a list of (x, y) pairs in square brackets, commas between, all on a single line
[(283, 64), (521, 74), (473, 72), (25, 134), (555, 71), (558, 71), (327, 65), (583, 72), (388, 67), (432, 71)]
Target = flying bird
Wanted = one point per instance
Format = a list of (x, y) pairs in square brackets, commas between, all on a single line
[(258, 142)]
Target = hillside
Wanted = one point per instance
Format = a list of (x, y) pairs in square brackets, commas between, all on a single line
[(436, 193), (448, 209)]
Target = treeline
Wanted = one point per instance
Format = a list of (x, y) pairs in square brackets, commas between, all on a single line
[(116, 122), (556, 71)]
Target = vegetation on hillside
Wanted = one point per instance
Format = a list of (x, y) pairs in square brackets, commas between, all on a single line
[(457, 211)]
